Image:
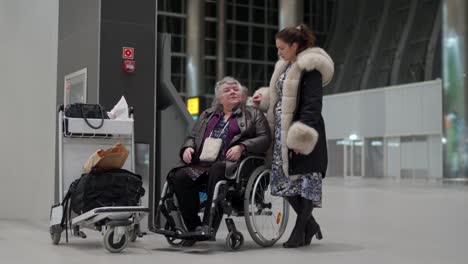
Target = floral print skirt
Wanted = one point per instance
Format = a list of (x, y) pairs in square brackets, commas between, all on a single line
[(308, 185)]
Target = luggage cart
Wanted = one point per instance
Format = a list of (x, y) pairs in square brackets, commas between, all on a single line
[(76, 142)]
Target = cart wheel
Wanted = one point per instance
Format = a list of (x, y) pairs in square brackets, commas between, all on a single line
[(133, 233), (55, 237), (109, 241), (234, 240)]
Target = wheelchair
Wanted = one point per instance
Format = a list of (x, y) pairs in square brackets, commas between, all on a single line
[(247, 194)]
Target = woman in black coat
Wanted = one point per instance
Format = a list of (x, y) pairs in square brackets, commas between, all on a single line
[(293, 103)]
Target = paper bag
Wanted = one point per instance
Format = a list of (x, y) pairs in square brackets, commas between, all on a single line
[(113, 158)]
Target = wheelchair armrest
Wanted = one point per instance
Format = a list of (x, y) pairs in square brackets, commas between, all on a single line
[(254, 155), (249, 158)]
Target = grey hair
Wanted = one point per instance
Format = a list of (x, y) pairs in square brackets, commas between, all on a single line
[(217, 92)]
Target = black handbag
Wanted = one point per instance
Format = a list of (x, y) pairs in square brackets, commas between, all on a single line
[(85, 111)]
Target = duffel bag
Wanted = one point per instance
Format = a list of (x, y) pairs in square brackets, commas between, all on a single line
[(116, 187)]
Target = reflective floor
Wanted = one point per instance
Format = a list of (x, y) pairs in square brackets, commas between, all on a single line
[(363, 221)]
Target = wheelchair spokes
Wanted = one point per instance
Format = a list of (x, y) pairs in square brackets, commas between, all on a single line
[(249, 194), (268, 214)]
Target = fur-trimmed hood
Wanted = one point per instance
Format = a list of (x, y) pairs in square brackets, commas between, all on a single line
[(317, 59), (309, 59), (295, 135)]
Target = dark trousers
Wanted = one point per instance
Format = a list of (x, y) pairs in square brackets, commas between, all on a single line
[(187, 193)]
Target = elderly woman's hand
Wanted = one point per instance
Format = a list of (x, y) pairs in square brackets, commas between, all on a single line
[(234, 153), (187, 156)]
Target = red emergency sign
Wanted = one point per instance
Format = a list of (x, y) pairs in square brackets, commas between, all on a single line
[(128, 53)]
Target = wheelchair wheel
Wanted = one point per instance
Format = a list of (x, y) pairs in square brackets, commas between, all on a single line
[(172, 240), (266, 215), (234, 240)]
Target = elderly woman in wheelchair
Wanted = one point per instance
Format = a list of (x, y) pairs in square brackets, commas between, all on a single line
[(223, 158)]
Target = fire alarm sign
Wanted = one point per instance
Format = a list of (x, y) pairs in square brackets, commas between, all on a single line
[(129, 66), (128, 53)]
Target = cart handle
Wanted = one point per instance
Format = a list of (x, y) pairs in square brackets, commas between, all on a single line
[(60, 108)]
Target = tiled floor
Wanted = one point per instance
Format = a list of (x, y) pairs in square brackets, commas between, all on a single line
[(363, 221)]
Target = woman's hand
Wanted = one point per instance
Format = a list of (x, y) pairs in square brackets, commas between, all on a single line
[(234, 153), (187, 156), (257, 98)]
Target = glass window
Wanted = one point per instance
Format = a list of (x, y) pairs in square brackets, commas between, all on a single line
[(259, 15), (242, 33), (258, 35), (373, 156), (210, 29), (335, 158), (258, 72), (259, 3), (249, 25), (357, 151), (210, 47), (258, 52), (393, 156), (242, 51), (241, 71), (414, 157), (317, 15), (210, 67), (210, 9)]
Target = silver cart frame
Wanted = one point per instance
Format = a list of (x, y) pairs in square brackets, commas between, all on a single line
[(76, 142)]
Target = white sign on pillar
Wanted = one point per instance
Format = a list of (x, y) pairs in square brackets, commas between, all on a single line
[(75, 87)]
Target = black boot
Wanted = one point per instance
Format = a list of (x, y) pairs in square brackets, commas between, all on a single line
[(304, 210), (295, 202), (312, 228)]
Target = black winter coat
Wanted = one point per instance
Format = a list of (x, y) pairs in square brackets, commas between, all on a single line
[(309, 112)]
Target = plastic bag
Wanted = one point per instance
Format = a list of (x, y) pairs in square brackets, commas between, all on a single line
[(120, 110)]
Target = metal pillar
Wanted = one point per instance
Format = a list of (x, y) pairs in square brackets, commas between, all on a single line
[(455, 105), (195, 47), (291, 13), (220, 39)]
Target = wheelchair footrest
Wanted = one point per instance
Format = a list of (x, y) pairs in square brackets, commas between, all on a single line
[(164, 232), (195, 236), (200, 234)]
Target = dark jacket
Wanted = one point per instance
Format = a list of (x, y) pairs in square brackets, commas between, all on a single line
[(309, 112), (302, 125), (254, 133)]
